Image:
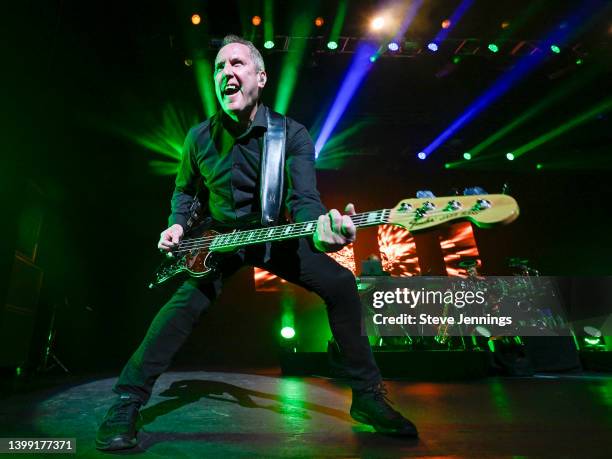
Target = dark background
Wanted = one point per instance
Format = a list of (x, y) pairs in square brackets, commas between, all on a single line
[(77, 72)]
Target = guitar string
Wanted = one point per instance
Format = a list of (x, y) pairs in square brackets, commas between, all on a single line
[(200, 243), (358, 219), (299, 228)]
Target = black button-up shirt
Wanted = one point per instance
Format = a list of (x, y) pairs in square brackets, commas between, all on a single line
[(223, 167)]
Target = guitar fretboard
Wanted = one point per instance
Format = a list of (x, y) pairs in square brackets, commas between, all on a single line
[(294, 230)]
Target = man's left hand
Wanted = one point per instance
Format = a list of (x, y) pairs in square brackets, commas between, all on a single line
[(334, 230)]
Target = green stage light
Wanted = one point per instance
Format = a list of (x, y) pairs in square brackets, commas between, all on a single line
[(555, 49), (467, 156), (600, 108), (287, 332), (269, 44), (334, 35), (302, 26), (493, 47), (579, 81), (456, 59), (579, 61), (509, 156), (539, 166), (447, 166)]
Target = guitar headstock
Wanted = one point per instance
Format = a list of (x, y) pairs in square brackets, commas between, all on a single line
[(483, 210)]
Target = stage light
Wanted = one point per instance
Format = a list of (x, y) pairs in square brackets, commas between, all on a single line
[(188, 62), (421, 155), (358, 69), (594, 337), (196, 19), (373, 58), (555, 49), (493, 47), (505, 25), (377, 23), (432, 47), (393, 46), (456, 59), (446, 24), (287, 332), (579, 61), (269, 44), (447, 166), (539, 166), (319, 21), (467, 156), (332, 44), (509, 156), (256, 21)]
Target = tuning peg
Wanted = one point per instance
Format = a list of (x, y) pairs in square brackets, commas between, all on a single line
[(425, 194), (474, 190)]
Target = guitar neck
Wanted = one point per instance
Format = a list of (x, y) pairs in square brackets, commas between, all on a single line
[(242, 238)]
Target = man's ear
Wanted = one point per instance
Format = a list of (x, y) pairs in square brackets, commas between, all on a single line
[(262, 78)]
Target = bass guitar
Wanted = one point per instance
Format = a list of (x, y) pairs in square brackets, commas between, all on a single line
[(199, 253)]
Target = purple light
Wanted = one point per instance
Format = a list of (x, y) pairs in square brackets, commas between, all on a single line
[(507, 80), (393, 46), (454, 20), (422, 155), (432, 46), (357, 71), (410, 14)]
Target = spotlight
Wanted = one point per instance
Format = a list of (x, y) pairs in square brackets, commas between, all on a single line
[(493, 47), (432, 46), (393, 46), (467, 155), (446, 23), (593, 337), (422, 155), (196, 19), (377, 23), (505, 25), (188, 62), (579, 61), (319, 21), (374, 57), (447, 166), (539, 166), (269, 44), (287, 332), (456, 59), (332, 44), (555, 49), (256, 20), (509, 156)]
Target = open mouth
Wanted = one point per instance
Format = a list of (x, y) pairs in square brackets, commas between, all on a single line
[(231, 89)]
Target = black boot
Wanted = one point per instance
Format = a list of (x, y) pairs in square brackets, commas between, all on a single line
[(118, 429), (371, 406)]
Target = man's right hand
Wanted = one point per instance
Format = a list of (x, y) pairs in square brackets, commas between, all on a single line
[(170, 238)]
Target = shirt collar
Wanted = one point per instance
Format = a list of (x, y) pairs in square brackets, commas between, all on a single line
[(259, 122)]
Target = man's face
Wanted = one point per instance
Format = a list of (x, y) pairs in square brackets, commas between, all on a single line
[(237, 80)]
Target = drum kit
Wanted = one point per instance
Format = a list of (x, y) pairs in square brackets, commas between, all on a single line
[(521, 296)]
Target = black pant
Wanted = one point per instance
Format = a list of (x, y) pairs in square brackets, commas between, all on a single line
[(295, 261)]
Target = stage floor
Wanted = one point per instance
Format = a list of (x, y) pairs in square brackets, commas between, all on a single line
[(223, 414)]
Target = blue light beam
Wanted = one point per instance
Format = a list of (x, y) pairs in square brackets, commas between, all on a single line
[(523, 68)]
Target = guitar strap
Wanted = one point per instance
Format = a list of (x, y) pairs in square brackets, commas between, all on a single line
[(272, 168)]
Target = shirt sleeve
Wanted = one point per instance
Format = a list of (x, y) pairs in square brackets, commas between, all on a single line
[(185, 188), (303, 200)]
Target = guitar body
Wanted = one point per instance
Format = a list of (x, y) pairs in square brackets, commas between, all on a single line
[(199, 262)]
